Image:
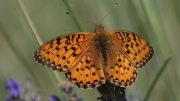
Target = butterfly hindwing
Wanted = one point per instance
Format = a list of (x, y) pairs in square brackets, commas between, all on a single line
[(123, 73), (87, 73)]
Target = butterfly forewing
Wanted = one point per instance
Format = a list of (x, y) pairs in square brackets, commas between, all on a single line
[(62, 52), (135, 49)]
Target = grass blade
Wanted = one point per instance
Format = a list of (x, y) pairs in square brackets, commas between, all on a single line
[(156, 79)]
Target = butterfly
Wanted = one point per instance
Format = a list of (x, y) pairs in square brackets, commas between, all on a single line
[(89, 59)]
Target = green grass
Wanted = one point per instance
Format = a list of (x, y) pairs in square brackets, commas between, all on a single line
[(156, 21)]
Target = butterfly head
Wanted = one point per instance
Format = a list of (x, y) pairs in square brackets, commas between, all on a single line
[(101, 32), (99, 28)]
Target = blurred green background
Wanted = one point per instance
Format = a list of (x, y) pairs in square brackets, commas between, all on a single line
[(157, 21)]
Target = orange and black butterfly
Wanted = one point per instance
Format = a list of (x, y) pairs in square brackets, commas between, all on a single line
[(89, 59)]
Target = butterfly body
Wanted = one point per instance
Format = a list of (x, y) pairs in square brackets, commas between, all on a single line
[(89, 59), (103, 46)]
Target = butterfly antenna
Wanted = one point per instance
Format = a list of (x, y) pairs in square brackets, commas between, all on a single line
[(109, 11), (79, 18)]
